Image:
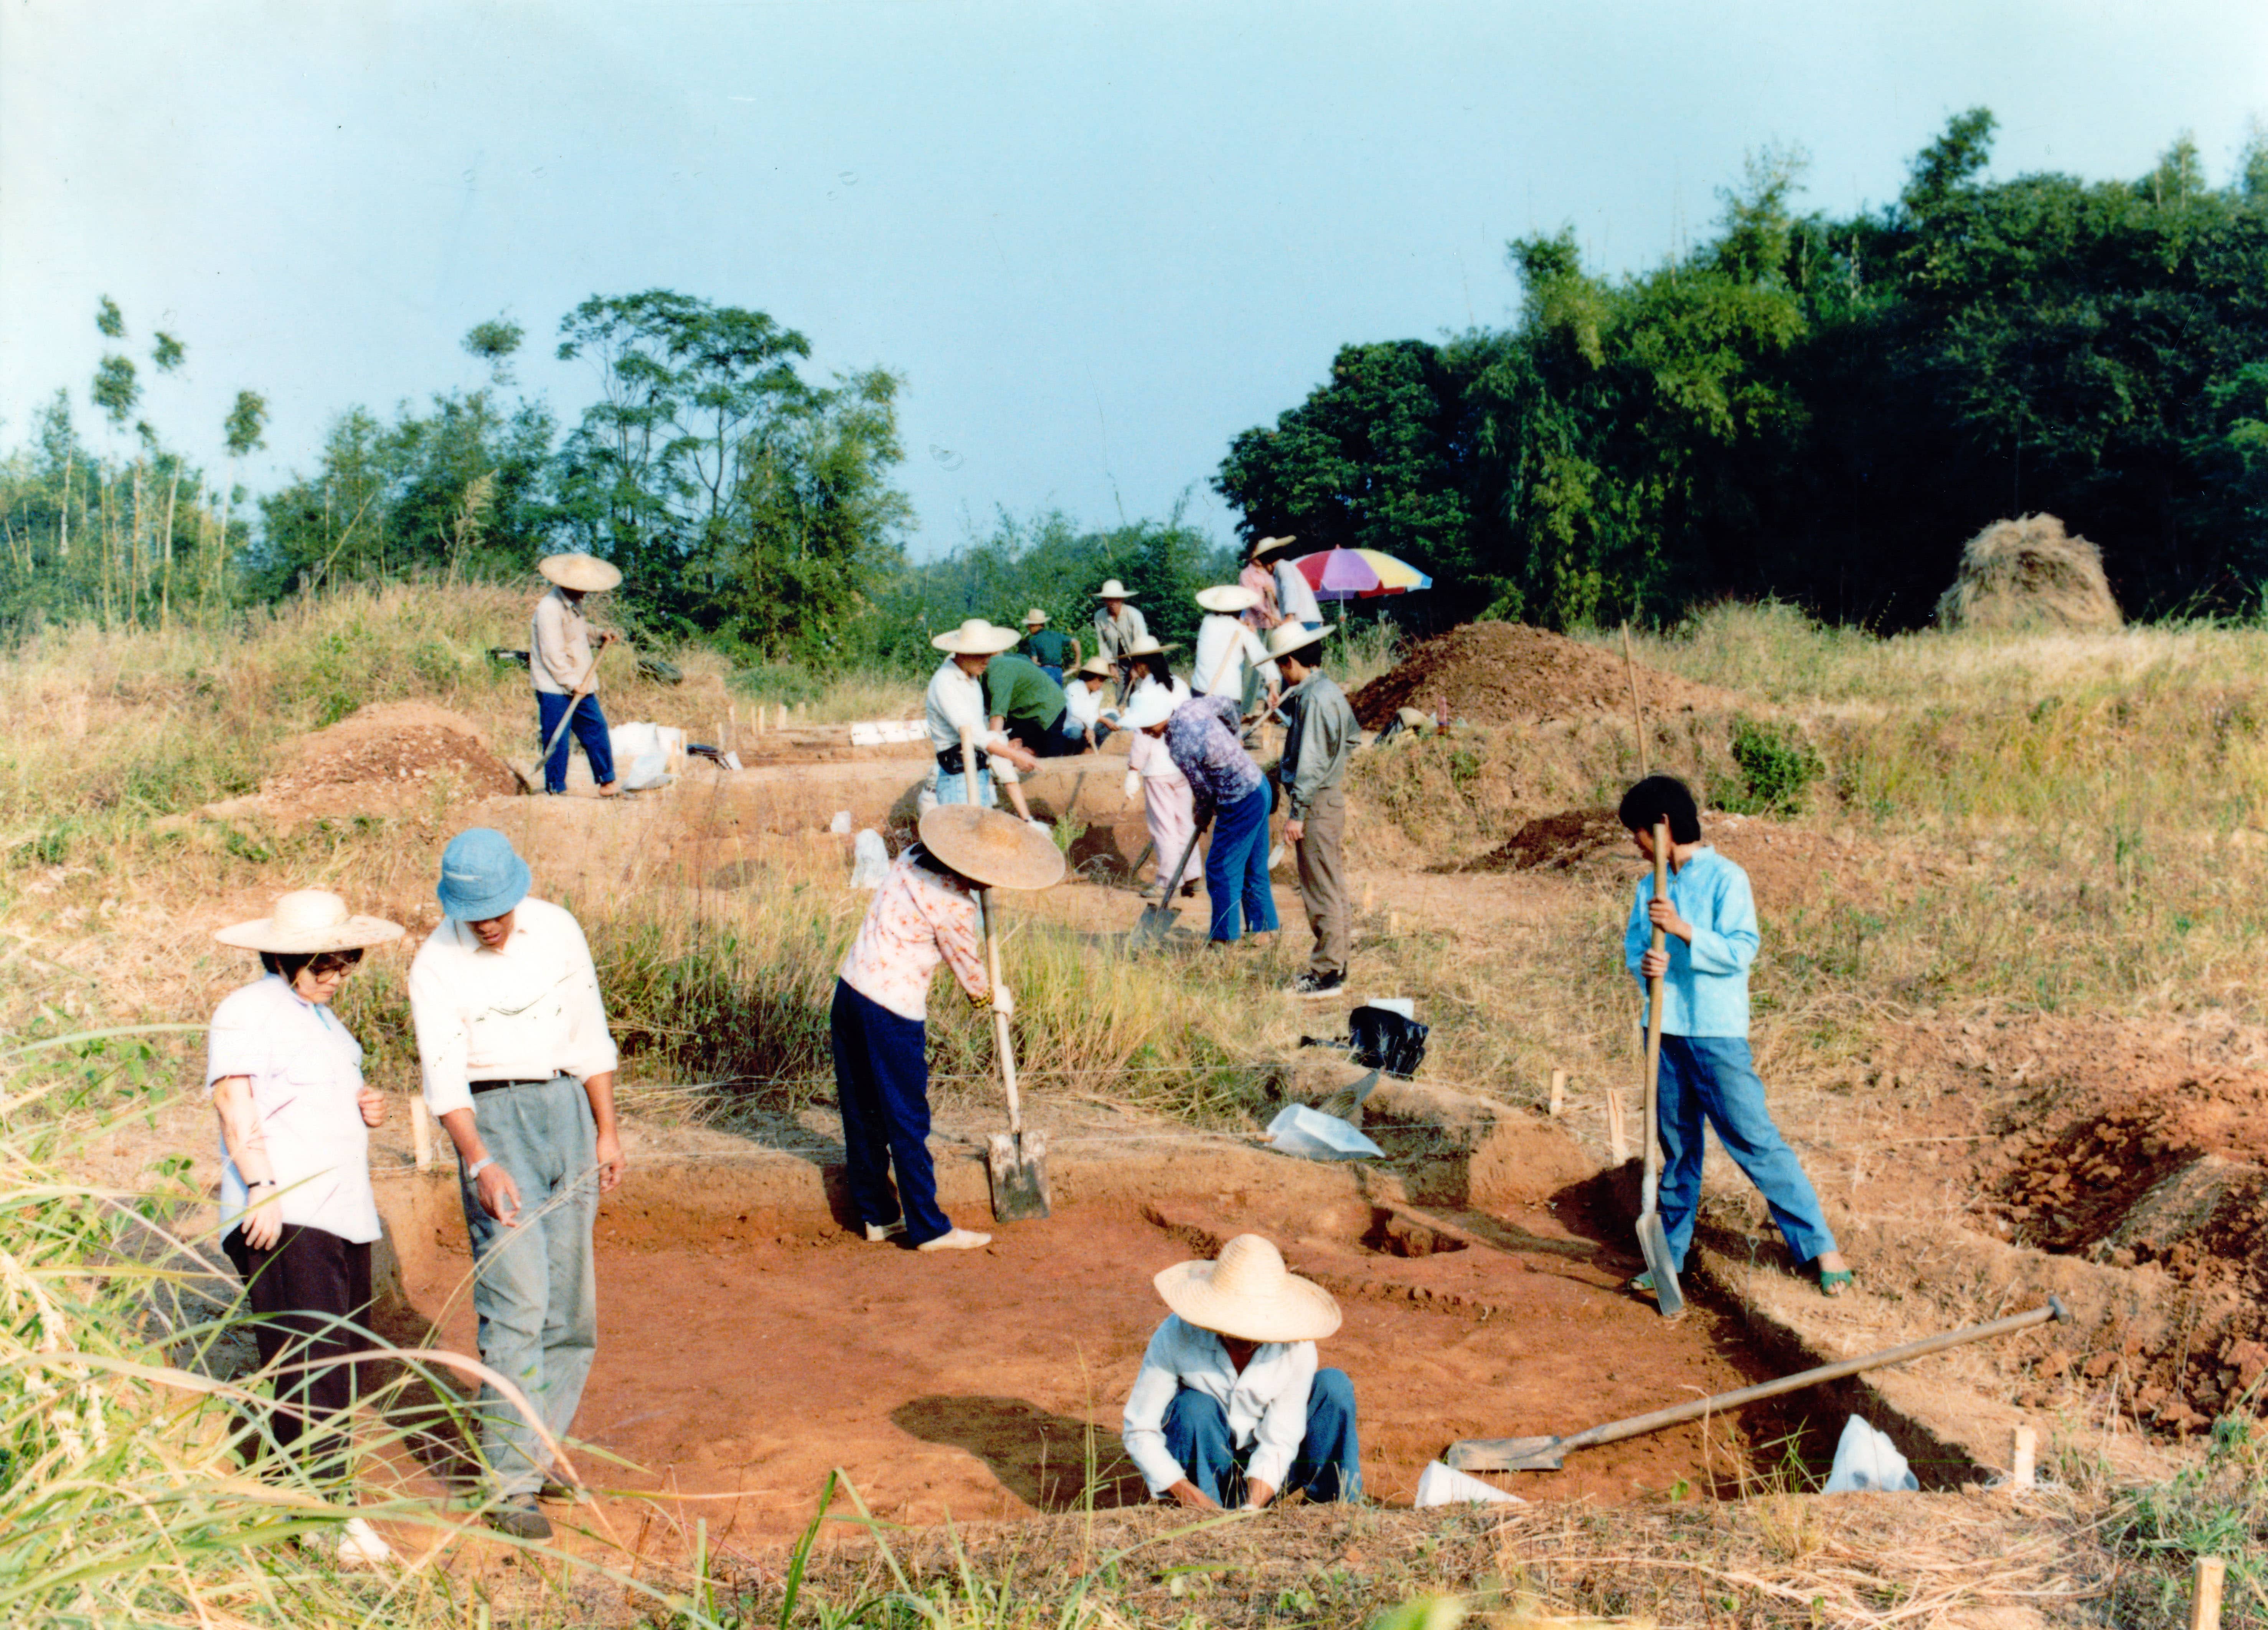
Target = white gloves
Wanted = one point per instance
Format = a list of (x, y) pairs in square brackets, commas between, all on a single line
[(1003, 1004), (1133, 782)]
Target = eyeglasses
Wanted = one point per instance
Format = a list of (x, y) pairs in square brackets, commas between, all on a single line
[(331, 964)]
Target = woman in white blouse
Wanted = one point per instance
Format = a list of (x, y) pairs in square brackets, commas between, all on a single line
[(296, 1212)]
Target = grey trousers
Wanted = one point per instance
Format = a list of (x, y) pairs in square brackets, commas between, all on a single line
[(534, 1286), (1323, 881)]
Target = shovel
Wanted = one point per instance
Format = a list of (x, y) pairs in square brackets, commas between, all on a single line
[(574, 700), (1158, 920), (1016, 1162), (1652, 1238), (1545, 1454)]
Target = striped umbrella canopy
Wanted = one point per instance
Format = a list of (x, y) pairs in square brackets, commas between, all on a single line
[(1358, 574)]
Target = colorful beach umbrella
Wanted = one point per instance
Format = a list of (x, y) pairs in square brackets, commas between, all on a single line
[(1358, 574)]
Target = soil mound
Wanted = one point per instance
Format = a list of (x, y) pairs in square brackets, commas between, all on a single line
[(395, 746), (2029, 574), (1494, 673), (1786, 864)]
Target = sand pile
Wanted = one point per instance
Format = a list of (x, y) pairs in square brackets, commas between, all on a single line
[(1496, 673), (378, 760), (2029, 574)]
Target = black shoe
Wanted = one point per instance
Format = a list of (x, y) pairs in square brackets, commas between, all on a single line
[(1311, 988), (558, 1493), (516, 1515)]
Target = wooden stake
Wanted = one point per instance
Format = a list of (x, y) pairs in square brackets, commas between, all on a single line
[(1369, 894), (1394, 922), (1558, 1092), (2204, 1598), (2027, 1443), (421, 1130), (783, 716), (1618, 1136)]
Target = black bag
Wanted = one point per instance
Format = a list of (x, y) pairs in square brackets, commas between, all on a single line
[(1384, 1040)]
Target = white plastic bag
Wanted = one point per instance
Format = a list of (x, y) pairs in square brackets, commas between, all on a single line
[(841, 824), (643, 751), (1315, 1136), (1866, 1459), (1440, 1485), (872, 863), (647, 771)]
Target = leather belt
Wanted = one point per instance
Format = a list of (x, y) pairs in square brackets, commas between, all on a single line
[(500, 1086), (949, 760)]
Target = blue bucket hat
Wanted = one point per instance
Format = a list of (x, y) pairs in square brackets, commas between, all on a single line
[(480, 875)]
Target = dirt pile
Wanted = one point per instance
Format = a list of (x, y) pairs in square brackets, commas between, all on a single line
[(2029, 573), (1786, 864), (1496, 673), (379, 760)]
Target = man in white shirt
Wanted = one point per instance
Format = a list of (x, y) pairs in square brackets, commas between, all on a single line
[(565, 669), (1118, 625), (520, 1069), (1231, 661), (1295, 597), (1229, 1409), (955, 702)]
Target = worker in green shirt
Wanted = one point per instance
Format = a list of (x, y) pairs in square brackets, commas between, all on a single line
[(1055, 652), (1032, 711)]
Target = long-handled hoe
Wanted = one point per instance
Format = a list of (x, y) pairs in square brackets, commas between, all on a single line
[(1015, 1160)]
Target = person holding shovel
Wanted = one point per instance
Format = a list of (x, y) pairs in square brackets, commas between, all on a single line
[(954, 704), (925, 913), (1319, 743), (519, 1070), (1118, 625), (565, 669), (1231, 661), (298, 1215), (1227, 790), (1229, 1409), (1708, 1074)]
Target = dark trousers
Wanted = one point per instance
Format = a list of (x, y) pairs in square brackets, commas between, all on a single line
[(590, 728), (1058, 739), (1329, 1465), (1053, 670), (311, 1293), (1236, 867), (881, 1082)]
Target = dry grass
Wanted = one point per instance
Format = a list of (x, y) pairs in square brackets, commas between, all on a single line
[(2029, 574)]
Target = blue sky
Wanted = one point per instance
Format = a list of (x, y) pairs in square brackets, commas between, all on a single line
[(1097, 240)]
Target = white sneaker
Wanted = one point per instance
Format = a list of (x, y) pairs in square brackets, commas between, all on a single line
[(360, 1546), (883, 1233), (959, 1239)]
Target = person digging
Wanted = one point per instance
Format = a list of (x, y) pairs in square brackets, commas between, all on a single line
[(1708, 1074), (1229, 1409), (1319, 742), (565, 669), (925, 912), (954, 704), (1229, 792)]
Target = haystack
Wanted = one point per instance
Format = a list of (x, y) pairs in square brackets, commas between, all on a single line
[(2029, 574)]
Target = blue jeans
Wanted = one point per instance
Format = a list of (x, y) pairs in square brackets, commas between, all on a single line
[(1236, 870), (881, 1084), (533, 1285), (1053, 670), (590, 728), (1329, 1465), (1713, 1077)]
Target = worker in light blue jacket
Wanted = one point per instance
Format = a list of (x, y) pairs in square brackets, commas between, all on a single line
[(1708, 1074)]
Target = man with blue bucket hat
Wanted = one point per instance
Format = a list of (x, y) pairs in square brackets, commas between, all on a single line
[(520, 1069)]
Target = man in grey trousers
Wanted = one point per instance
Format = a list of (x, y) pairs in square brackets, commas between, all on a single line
[(520, 1069), (1319, 740)]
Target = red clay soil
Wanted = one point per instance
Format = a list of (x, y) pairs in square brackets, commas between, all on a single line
[(377, 755), (1499, 673), (963, 1384)]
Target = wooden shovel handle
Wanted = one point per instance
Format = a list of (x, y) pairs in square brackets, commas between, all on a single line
[(1003, 1043), (1653, 1007)]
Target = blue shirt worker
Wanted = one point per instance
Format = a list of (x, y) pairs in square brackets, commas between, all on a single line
[(1229, 1411), (519, 1070), (1708, 1074)]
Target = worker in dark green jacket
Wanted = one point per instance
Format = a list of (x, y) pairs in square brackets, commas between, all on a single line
[(1056, 652)]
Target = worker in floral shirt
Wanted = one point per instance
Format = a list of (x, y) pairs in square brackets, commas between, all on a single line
[(1230, 791)]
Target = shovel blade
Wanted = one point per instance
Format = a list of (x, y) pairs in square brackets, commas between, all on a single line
[(1506, 1454), (1653, 1240), (1017, 1163), (1157, 921)]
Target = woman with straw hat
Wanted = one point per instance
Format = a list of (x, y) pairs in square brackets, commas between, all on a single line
[(1168, 806), (565, 669), (925, 912), (954, 704), (1260, 580), (1084, 703), (296, 1212), (1229, 1409), (1231, 661), (1151, 663), (1295, 597)]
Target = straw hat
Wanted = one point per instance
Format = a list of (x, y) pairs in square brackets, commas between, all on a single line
[(1228, 597), (308, 921), (1034, 615), (1286, 637), (1267, 547), (1150, 704), (994, 849), (586, 573), (1249, 1294), (1413, 718), (976, 638), (1113, 590), (1097, 667), (1147, 646)]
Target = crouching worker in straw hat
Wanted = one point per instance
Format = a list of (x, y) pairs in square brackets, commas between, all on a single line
[(1085, 703), (1708, 1077), (565, 669), (955, 702), (1318, 744), (296, 1212), (1229, 1409), (924, 913), (518, 1067)]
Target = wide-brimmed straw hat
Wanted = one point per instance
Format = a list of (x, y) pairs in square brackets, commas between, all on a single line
[(1147, 646), (1228, 597), (1113, 590), (1286, 637), (1150, 704), (308, 922), (1034, 615), (1248, 1292), (1268, 546), (994, 849), (1097, 667), (586, 573), (976, 638)]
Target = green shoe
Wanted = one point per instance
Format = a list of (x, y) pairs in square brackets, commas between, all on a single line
[(1643, 1285), (1834, 1282)]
